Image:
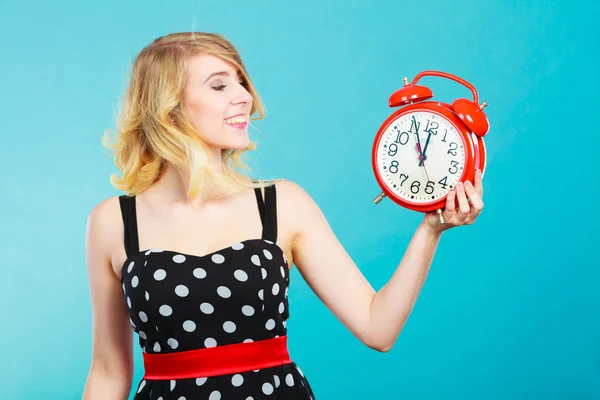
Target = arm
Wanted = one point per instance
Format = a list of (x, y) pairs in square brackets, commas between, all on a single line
[(111, 370), (375, 318)]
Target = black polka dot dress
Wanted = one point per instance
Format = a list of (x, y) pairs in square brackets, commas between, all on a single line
[(179, 302)]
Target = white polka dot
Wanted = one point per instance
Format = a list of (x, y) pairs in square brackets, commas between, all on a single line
[(277, 381), (268, 241), (248, 311), (224, 292), (157, 250), (282, 272), (229, 327), (248, 340), (218, 259), (255, 260), (165, 310), (240, 275), (275, 289), (157, 347), (181, 290), (201, 381), (270, 324), (147, 296), (281, 308), (249, 398), (267, 388), (238, 246), (173, 343), (123, 288), (145, 263), (143, 316), (131, 323), (160, 398), (207, 308), (261, 294), (141, 386), (130, 267), (268, 254), (286, 292), (216, 395), (182, 398), (134, 281), (284, 323), (210, 342), (237, 380), (148, 252), (264, 273), (160, 274), (143, 335), (284, 259), (179, 258), (199, 273), (173, 383), (128, 302), (189, 326), (289, 380), (299, 370)]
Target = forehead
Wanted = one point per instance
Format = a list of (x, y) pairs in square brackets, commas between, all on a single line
[(202, 66)]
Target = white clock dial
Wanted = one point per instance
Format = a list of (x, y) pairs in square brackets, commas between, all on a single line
[(398, 157)]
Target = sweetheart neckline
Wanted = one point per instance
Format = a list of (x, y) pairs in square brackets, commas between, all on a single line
[(129, 258)]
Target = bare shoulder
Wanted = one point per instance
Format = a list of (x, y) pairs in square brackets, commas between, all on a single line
[(104, 227), (297, 206)]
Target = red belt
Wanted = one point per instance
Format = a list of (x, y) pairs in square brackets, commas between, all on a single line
[(220, 360)]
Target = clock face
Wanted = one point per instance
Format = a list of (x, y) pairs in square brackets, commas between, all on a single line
[(420, 157)]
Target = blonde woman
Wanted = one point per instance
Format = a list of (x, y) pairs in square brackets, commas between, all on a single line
[(195, 256)]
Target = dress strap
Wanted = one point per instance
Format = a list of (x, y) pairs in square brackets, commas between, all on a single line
[(128, 212), (268, 212)]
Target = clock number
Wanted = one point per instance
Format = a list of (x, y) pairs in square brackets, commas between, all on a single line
[(433, 129), (453, 148), (429, 187), (393, 150), (414, 124), (415, 187), (445, 133), (394, 166), (403, 180), (443, 182), (402, 138), (453, 167)]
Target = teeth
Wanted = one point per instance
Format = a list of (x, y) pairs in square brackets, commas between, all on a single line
[(236, 120)]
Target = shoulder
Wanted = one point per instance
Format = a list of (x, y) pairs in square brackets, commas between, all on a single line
[(296, 205), (104, 225)]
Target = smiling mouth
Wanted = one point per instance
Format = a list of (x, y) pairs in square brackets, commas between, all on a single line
[(237, 121)]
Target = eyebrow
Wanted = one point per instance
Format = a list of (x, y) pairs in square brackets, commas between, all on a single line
[(219, 73)]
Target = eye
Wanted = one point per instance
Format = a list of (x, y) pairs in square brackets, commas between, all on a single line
[(219, 87)]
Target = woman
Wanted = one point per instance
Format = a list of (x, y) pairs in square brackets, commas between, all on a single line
[(196, 257)]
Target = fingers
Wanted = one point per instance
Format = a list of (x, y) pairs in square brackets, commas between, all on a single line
[(463, 204), (476, 202), (478, 183), (451, 201)]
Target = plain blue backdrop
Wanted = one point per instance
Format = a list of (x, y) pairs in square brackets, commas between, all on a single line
[(510, 307)]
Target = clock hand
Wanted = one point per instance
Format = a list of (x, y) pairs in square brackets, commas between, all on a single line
[(422, 162), (425, 149), (419, 148)]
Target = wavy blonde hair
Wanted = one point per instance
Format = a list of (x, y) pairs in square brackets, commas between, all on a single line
[(152, 130)]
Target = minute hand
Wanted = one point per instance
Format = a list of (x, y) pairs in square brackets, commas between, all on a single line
[(425, 149)]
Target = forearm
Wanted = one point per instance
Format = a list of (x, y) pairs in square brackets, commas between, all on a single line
[(393, 303), (101, 386)]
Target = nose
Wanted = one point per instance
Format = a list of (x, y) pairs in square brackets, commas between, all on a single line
[(242, 96)]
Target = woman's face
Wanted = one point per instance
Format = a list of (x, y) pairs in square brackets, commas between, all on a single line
[(217, 104)]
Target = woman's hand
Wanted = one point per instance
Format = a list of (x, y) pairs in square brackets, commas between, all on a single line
[(467, 211)]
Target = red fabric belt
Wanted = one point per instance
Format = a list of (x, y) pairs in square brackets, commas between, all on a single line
[(220, 360)]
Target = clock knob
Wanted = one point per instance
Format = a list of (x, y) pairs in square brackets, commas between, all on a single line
[(379, 198)]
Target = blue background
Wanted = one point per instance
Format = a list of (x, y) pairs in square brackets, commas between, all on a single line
[(510, 308)]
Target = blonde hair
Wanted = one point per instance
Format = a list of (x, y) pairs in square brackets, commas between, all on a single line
[(152, 130)]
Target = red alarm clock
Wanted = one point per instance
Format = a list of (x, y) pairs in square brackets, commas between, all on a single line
[(425, 148)]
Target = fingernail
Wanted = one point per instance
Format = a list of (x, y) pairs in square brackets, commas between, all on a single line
[(478, 173), (468, 184), (460, 185)]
